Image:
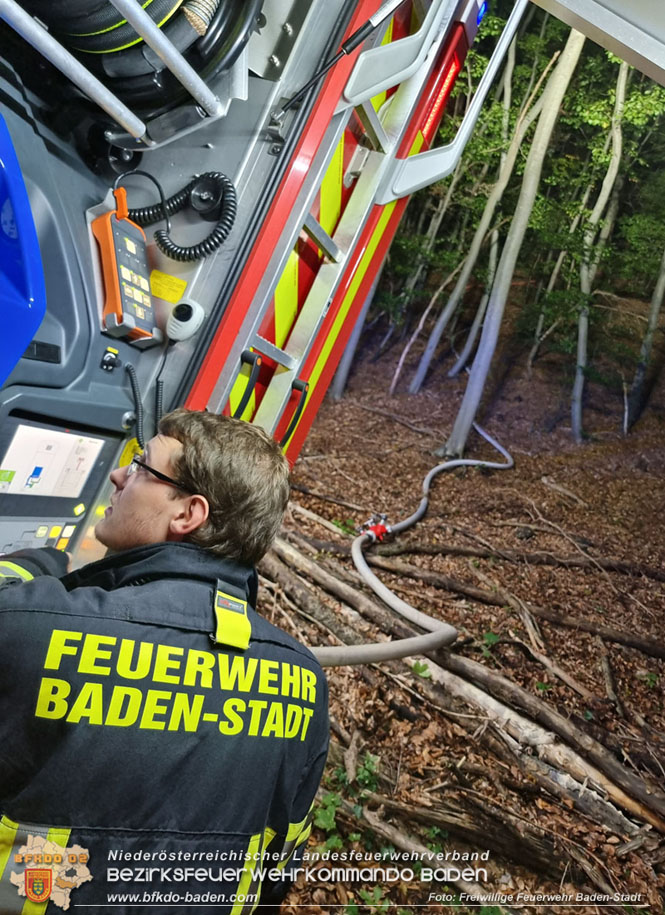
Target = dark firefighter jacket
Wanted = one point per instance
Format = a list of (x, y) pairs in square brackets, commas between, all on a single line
[(158, 758)]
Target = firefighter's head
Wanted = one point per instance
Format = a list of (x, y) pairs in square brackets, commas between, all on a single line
[(206, 479)]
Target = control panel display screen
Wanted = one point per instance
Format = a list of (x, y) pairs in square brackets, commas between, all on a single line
[(46, 462)]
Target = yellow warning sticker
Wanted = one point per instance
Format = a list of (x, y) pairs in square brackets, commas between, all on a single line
[(167, 287), (131, 449)]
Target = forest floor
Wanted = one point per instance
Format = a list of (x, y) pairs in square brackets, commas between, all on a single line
[(413, 766)]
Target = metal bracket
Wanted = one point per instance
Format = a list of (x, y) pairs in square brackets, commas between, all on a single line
[(405, 176), (373, 127), (173, 59), (41, 40), (275, 131)]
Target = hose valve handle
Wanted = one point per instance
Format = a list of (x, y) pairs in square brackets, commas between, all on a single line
[(376, 527)]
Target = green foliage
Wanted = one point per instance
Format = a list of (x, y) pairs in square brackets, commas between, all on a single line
[(642, 239), (489, 639), (366, 775), (418, 667), (326, 812), (571, 180), (649, 677), (333, 842), (348, 526), (645, 104), (374, 899)]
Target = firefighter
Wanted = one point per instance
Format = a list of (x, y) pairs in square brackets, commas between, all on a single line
[(160, 742)]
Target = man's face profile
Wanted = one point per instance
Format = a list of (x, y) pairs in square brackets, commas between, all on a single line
[(145, 509)]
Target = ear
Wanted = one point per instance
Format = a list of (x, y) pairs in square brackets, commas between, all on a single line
[(193, 512)]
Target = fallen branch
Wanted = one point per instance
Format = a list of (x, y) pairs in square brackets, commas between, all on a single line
[(351, 757), (646, 646), (312, 516), (394, 417), (534, 558), (607, 676), (520, 608), (499, 597), (407, 844), (319, 495), (557, 487), (554, 669), (491, 827), (569, 790), (458, 676)]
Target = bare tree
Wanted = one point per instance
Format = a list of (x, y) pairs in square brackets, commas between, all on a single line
[(551, 101), (506, 100), (591, 253), (338, 385), (636, 395), (526, 119)]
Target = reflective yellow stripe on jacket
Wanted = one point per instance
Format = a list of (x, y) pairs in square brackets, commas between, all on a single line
[(297, 833), (12, 570)]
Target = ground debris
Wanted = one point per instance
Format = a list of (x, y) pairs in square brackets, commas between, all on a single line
[(428, 767)]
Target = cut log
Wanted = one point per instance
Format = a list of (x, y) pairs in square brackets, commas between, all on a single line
[(491, 826), (647, 801)]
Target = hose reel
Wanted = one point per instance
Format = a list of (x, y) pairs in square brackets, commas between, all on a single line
[(210, 34)]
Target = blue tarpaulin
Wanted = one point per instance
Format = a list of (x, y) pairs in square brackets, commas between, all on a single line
[(22, 292)]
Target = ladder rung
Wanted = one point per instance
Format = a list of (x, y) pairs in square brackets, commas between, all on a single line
[(273, 352), (373, 127), (321, 238)]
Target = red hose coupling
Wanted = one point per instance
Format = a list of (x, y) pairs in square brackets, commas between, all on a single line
[(377, 531)]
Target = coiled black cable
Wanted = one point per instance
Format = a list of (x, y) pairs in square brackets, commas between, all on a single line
[(159, 402), (146, 216), (168, 206), (138, 405)]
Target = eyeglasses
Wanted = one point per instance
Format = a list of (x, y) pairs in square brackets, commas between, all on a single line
[(137, 465)]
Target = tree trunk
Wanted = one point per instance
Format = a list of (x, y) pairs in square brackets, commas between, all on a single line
[(636, 395), (431, 235), (524, 123), (421, 323), (590, 259), (342, 374), (507, 99), (551, 101), (482, 308)]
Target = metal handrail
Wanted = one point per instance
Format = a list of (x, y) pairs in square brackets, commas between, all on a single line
[(409, 175), (389, 65)]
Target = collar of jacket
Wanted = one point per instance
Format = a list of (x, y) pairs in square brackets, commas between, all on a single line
[(163, 561)]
